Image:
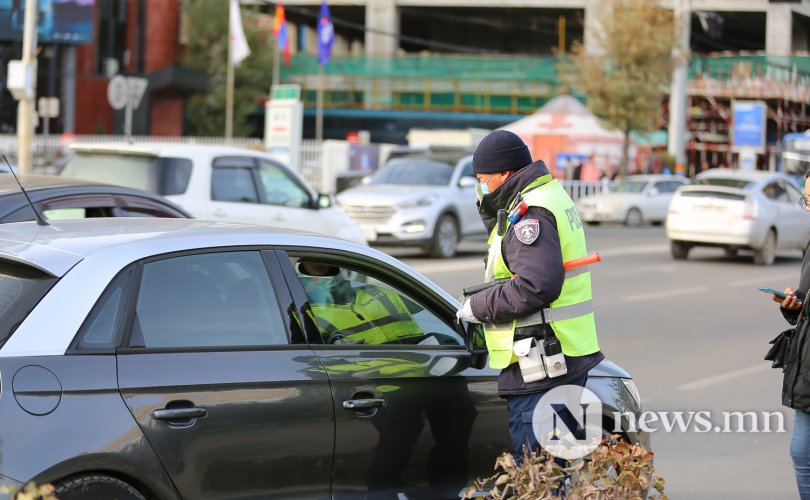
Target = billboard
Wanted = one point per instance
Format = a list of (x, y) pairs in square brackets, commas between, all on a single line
[(749, 122), (60, 21)]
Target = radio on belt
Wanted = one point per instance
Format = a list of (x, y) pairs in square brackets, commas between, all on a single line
[(517, 212)]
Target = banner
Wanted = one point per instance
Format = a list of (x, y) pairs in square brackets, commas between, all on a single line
[(326, 35), (238, 43), (60, 21), (280, 32)]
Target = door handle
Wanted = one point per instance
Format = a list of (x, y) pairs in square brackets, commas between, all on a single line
[(219, 213), (363, 404), (179, 413)]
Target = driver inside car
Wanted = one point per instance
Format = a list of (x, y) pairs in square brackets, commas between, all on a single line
[(352, 312)]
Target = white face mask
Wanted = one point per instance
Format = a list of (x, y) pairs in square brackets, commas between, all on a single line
[(482, 188)]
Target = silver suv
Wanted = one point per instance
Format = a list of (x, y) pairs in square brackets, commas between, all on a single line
[(423, 198)]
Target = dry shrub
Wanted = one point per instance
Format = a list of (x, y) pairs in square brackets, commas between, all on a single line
[(615, 470)]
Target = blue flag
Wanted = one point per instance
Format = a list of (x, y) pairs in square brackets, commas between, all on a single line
[(326, 35)]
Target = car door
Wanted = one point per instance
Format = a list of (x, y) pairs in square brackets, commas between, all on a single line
[(416, 416), (658, 194), (234, 191), (781, 214), (800, 225), (289, 203), (220, 380)]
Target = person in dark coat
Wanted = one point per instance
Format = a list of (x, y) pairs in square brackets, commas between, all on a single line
[(795, 385), (531, 253)]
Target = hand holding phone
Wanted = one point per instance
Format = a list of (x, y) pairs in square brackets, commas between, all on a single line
[(781, 295)]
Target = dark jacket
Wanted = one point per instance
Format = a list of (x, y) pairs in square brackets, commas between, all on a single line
[(539, 278), (796, 382)]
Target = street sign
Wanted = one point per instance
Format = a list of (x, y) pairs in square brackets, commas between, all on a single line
[(137, 88), (117, 92), (48, 107), (291, 92), (749, 125)]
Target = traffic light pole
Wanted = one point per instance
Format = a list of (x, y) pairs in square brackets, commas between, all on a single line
[(25, 108)]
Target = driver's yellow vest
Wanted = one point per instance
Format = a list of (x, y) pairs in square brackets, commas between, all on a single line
[(571, 314), (375, 316)]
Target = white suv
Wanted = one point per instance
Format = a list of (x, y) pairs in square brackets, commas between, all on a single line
[(422, 198), (215, 182)]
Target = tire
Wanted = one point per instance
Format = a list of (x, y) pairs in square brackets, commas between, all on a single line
[(679, 249), (445, 238), (767, 254), (96, 487), (633, 218), (730, 252), (593, 222)]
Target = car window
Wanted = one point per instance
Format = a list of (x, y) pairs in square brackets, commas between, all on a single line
[(100, 329), (222, 299), (166, 175), (793, 192), (775, 191), (723, 181), (233, 184), (280, 188), (467, 170), (415, 172), (350, 306), (21, 288), (629, 186)]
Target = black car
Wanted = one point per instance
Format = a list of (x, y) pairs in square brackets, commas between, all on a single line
[(64, 198), (172, 358)]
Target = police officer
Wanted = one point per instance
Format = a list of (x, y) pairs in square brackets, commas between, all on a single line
[(362, 314), (540, 294)]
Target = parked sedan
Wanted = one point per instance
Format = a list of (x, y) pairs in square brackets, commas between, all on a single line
[(419, 198), (738, 210), (63, 198), (176, 358), (634, 200), (215, 182)]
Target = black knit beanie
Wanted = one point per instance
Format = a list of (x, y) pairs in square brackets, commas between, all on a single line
[(500, 151)]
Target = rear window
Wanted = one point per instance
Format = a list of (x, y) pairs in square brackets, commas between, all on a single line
[(719, 181), (21, 288), (165, 176)]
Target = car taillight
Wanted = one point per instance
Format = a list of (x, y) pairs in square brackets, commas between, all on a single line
[(751, 209)]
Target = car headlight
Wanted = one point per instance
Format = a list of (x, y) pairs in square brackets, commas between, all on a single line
[(632, 389), (422, 201)]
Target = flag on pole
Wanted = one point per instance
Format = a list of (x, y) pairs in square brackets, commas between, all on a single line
[(326, 35), (280, 32), (239, 48)]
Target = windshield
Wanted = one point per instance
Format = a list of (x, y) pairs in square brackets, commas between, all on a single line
[(724, 181), (414, 171), (21, 288), (629, 187), (796, 156), (165, 176)]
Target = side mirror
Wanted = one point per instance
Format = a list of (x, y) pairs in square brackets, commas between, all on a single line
[(653, 192), (467, 182), (476, 342), (324, 200), (365, 180)]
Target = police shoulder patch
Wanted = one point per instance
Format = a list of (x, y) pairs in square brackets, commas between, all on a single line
[(527, 231)]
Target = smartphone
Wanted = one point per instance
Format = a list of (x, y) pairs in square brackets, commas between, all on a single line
[(781, 295)]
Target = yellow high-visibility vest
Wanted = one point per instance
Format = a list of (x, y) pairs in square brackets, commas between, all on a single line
[(571, 314)]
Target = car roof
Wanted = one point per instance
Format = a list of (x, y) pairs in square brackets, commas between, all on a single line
[(59, 246), (162, 148)]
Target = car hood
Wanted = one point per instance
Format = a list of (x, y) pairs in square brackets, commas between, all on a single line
[(385, 194)]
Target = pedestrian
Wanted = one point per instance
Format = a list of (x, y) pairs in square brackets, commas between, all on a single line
[(796, 379), (531, 252)]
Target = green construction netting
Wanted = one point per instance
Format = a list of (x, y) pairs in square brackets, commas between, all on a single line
[(520, 69)]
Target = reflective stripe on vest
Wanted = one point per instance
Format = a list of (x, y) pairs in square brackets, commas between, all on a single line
[(375, 317), (571, 314)]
